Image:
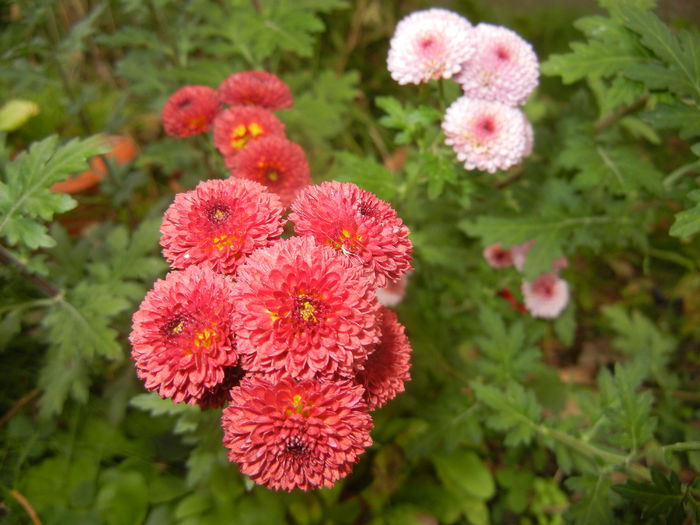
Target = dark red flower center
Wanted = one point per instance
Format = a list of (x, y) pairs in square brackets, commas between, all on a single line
[(295, 446), (218, 213), (175, 326), (502, 53)]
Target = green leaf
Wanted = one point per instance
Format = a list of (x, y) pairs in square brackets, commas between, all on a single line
[(593, 58), (663, 497), (628, 411), (466, 472), (411, 122), (515, 411), (440, 171), (687, 222), (156, 406), (680, 116), (508, 355), (619, 168), (640, 338), (25, 195), (593, 508), (366, 173), (123, 497), (14, 113), (681, 52)]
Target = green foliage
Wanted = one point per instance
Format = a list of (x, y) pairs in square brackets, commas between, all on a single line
[(25, 199), (662, 499)]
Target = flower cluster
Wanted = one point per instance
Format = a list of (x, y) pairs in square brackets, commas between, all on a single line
[(288, 333), (246, 132), (497, 70), (547, 295)]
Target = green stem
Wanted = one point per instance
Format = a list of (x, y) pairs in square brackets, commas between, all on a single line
[(676, 174), (682, 446)]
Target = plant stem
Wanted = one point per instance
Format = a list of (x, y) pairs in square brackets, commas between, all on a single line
[(622, 112), (676, 174), (682, 446), (44, 285)]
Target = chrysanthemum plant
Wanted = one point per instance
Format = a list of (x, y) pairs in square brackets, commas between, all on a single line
[(552, 199)]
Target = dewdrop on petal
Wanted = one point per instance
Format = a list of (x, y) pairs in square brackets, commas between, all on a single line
[(429, 44), (546, 296), (504, 67), (488, 136)]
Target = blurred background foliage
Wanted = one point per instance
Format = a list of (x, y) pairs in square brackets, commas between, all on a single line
[(592, 418)]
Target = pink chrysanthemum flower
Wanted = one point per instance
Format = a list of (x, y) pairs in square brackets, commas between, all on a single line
[(256, 88), (503, 69), (488, 136), (238, 125), (190, 111), (290, 434), (357, 224), (497, 256), (429, 44), (387, 368), (220, 222), (519, 253), (392, 294), (182, 337), (546, 296), (275, 162), (303, 311)]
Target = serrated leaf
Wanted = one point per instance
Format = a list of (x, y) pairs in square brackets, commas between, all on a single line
[(592, 58), (687, 222), (617, 167), (60, 377), (410, 121), (681, 52), (680, 116), (662, 497), (515, 411), (156, 406), (594, 506), (25, 195)]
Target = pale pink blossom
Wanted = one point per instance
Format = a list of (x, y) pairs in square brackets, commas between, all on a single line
[(429, 44), (519, 253), (546, 296), (498, 257), (392, 294), (504, 67), (488, 136)]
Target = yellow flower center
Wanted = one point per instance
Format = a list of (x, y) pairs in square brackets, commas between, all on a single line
[(241, 134), (299, 406), (197, 122), (223, 240), (205, 338)]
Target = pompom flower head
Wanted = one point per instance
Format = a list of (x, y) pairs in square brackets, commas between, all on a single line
[(387, 368), (488, 136), (504, 67), (220, 222), (546, 296), (256, 88), (428, 45), (190, 111), (290, 434), (236, 126), (182, 338), (275, 162), (357, 224), (303, 311), (497, 256)]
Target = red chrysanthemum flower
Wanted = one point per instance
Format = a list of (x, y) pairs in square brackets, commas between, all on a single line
[(387, 368), (219, 395), (357, 224), (275, 162), (190, 111), (220, 222), (256, 88), (237, 126), (303, 311), (291, 434), (182, 337)]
